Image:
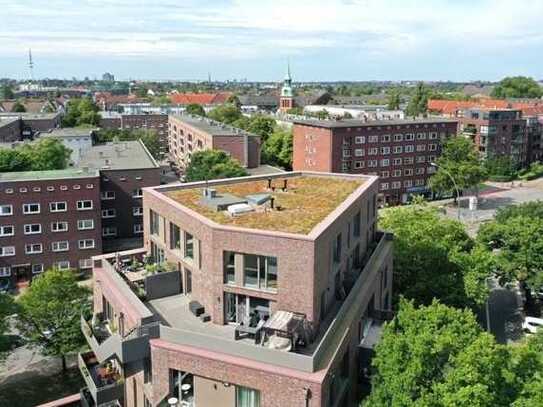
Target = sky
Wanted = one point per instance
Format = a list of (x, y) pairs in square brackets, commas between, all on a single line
[(460, 40)]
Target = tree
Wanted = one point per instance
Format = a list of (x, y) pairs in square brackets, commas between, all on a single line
[(394, 101), (6, 92), (7, 308), (262, 126), (195, 109), (460, 161), (45, 154), (80, 112), (418, 104), (226, 113), (297, 111), (277, 149), (234, 100), (50, 312), (532, 209), (160, 100), (433, 258), (518, 244), (500, 166), (18, 107), (517, 87), (212, 164)]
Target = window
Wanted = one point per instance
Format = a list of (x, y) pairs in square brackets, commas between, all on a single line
[(409, 148), (396, 185), (433, 135), (408, 183), (109, 213), (432, 147), (32, 229), (419, 182), (408, 172), (398, 137), (385, 138), (408, 160), (59, 226), (356, 224), (359, 152), (421, 159), (385, 174), (5, 271), (385, 150), (138, 228), (86, 244), (372, 163), (246, 397), (373, 151), (421, 147), (155, 223), (33, 248), (137, 193), (398, 149), (229, 267), (7, 230), (107, 195), (397, 161), (63, 265), (58, 207), (420, 171), (373, 139), (421, 136), (384, 186), (358, 164), (337, 248), (37, 268), (31, 208), (84, 205), (85, 224), (409, 137), (360, 140), (346, 153), (137, 211), (7, 251), (60, 246), (397, 173), (109, 231), (260, 272), (189, 246), (175, 237), (85, 263), (385, 162)]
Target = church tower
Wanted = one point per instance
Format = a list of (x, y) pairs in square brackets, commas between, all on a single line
[(286, 101)]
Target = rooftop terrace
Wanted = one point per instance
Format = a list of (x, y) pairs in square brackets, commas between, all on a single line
[(306, 202)]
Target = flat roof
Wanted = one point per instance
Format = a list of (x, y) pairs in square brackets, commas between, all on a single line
[(211, 127), (68, 132), (27, 116), (307, 201), (48, 175), (372, 123), (122, 155)]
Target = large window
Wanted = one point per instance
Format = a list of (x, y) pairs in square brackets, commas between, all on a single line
[(84, 205), (356, 225), (260, 272), (337, 248), (31, 208), (85, 224), (229, 267), (58, 206), (6, 210), (175, 237), (189, 246), (155, 223), (246, 397)]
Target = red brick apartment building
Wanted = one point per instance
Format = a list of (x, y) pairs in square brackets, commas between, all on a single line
[(125, 169), (399, 152), (144, 121), (272, 292), (188, 134), (48, 218)]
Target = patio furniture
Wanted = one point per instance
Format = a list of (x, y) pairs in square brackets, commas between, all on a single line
[(196, 308), (292, 326), (249, 331)]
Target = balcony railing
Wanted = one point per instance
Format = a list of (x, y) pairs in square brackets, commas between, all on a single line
[(105, 384)]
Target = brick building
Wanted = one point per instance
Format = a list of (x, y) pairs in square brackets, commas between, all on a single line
[(497, 132), (399, 152), (19, 126), (48, 218), (278, 305), (188, 134), (125, 168)]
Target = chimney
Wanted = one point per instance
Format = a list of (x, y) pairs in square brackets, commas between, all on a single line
[(272, 199), (269, 183), (285, 182)]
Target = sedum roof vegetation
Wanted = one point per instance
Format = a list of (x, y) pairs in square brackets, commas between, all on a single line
[(307, 201)]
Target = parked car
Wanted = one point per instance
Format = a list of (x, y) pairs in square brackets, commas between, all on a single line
[(532, 324)]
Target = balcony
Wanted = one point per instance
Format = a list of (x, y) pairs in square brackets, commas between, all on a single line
[(104, 381), (106, 343)]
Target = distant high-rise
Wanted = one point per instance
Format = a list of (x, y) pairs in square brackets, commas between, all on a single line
[(108, 77)]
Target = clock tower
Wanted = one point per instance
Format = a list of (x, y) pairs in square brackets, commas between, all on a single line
[(286, 101)]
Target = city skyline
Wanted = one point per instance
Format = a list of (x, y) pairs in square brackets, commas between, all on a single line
[(332, 40)]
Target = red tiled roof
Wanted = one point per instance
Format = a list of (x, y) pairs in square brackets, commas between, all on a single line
[(451, 107), (200, 98)]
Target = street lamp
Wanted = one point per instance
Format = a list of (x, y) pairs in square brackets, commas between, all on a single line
[(455, 187)]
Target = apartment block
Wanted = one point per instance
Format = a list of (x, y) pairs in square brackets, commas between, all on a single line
[(125, 169), (19, 126), (261, 291), (400, 152), (48, 218), (188, 134), (497, 133)]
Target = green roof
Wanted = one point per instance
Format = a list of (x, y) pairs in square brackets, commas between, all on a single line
[(45, 175)]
